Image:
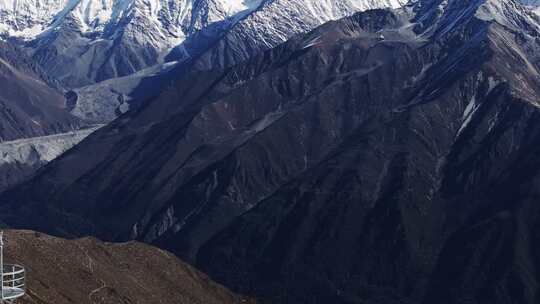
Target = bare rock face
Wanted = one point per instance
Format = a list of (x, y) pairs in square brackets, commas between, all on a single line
[(89, 271)]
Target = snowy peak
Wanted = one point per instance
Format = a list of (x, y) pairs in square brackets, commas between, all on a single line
[(509, 13), (276, 21), (81, 42), (533, 3), (26, 18), (29, 18), (91, 15), (444, 16), (232, 7)]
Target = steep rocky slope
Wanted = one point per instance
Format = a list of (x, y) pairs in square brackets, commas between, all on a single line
[(30, 103), (431, 198), (277, 21), (388, 157), (90, 271)]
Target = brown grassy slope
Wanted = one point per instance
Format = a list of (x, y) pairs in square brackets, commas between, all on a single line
[(90, 271)]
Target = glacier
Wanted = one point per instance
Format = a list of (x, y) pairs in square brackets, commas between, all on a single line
[(20, 158)]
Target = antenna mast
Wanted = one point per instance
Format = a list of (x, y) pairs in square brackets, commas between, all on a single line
[(2, 264), (12, 278)]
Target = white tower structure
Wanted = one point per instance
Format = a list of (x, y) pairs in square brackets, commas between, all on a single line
[(11, 278)]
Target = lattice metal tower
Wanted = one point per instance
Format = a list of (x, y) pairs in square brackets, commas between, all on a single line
[(12, 278)]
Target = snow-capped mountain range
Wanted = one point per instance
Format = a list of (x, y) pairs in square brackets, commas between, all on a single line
[(276, 21), (531, 2), (30, 18), (84, 41), (81, 42)]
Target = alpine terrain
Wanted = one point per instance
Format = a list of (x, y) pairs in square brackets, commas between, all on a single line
[(299, 152), (83, 41), (86, 43), (107, 57)]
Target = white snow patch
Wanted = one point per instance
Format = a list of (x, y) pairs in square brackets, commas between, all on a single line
[(468, 114), (492, 83), (40, 149), (233, 7), (312, 42)]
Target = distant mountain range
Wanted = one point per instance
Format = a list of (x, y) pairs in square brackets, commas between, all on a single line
[(83, 42), (80, 42)]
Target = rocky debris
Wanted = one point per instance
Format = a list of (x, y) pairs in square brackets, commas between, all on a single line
[(19, 159)]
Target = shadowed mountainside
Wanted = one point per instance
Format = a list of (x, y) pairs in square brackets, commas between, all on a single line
[(30, 103)]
